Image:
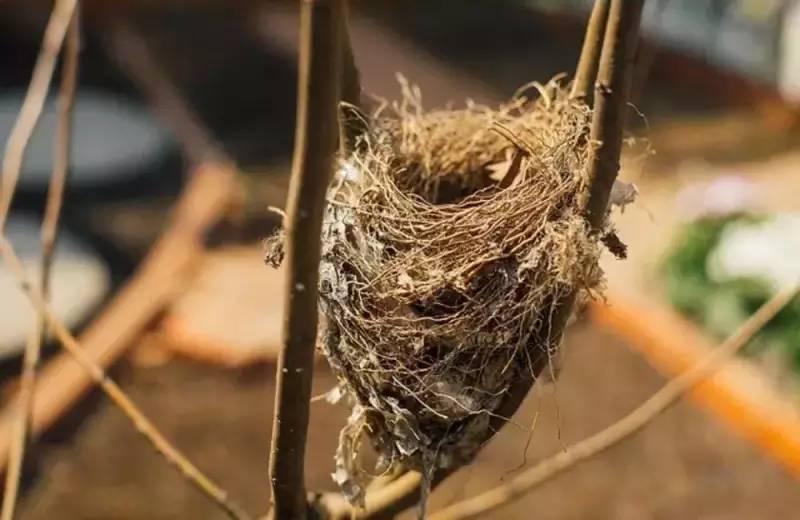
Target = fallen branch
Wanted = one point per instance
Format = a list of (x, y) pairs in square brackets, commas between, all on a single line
[(55, 196), (313, 162), (143, 425), (627, 426)]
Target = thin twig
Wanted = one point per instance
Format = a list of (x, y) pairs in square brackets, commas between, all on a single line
[(625, 427), (55, 195), (352, 122), (586, 71), (313, 162), (117, 396), (34, 102), (611, 96), (612, 91)]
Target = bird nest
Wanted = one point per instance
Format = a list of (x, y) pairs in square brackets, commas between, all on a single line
[(448, 237)]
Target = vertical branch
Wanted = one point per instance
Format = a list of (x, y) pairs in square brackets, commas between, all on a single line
[(351, 118), (588, 62), (610, 105), (35, 337), (34, 102), (313, 162)]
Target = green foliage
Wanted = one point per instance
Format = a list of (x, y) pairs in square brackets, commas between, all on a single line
[(720, 307)]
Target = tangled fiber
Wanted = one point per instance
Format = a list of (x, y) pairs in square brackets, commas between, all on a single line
[(448, 237)]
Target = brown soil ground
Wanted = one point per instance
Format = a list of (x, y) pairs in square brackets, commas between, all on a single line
[(684, 466)]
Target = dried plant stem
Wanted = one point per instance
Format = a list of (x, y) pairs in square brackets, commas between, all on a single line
[(586, 72), (619, 42), (352, 122), (612, 91), (118, 397), (34, 102), (625, 427), (49, 230), (313, 162)]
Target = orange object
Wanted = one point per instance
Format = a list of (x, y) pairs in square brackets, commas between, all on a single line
[(739, 393)]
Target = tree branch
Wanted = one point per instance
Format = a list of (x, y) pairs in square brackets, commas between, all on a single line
[(625, 427), (611, 95), (352, 122), (586, 71), (34, 102), (55, 197), (313, 163)]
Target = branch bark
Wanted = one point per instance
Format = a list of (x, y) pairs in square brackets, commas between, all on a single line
[(586, 72), (34, 102), (313, 162), (352, 122), (55, 197), (625, 427), (612, 91)]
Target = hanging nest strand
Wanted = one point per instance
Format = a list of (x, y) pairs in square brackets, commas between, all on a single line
[(448, 237)]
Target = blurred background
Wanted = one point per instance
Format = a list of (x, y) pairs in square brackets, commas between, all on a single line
[(167, 88)]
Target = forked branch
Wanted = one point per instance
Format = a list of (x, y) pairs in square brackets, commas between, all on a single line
[(313, 162), (586, 72)]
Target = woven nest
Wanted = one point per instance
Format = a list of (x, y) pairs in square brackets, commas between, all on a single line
[(447, 239)]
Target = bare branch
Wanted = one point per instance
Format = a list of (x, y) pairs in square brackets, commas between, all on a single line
[(612, 91), (55, 196), (586, 72), (143, 425), (313, 163), (352, 122), (34, 102), (627, 426)]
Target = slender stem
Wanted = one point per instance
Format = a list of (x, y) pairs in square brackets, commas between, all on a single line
[(34, 340), (352, 122), (142, 424), (586, 72), (313, 162), (34, 102), (612, 91), (478, 506), (607, 125)]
